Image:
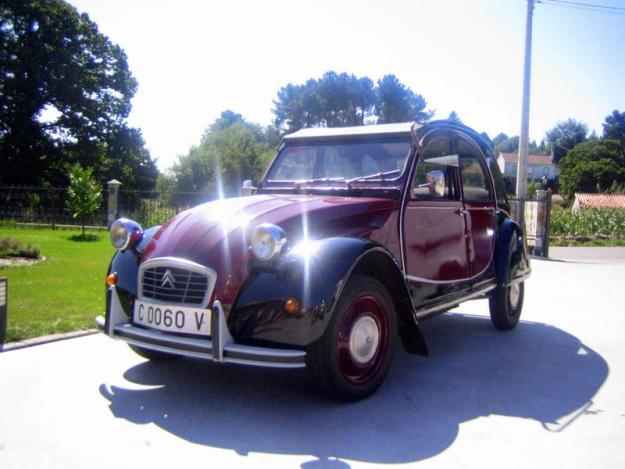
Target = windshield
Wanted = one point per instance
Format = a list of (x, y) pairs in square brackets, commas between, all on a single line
[(341, 161)]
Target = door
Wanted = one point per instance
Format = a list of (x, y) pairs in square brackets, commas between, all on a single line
[(480, 209), (433, 231)]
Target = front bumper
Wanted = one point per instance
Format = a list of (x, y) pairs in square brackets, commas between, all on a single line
[(221, 347)]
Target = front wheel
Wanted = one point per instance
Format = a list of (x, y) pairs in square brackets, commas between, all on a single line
[(506, 305), (353, 357)]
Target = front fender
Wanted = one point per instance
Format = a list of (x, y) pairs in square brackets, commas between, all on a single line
[(314, 273), (126, 265)]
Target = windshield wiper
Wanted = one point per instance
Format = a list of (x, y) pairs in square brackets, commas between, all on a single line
[(380, 175), (316, 180), (348, 182)]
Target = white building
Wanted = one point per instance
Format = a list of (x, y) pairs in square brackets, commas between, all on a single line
[(538, 166)]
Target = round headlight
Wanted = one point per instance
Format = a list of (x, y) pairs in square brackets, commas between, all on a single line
[(267, 241), (125, 233)]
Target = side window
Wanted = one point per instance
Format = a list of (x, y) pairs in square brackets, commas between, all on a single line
[(435, 176), (475, 187)]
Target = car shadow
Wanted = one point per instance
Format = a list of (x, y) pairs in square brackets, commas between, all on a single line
[(536, 371)]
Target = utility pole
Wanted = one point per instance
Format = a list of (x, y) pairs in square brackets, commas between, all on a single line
[(521, 173)]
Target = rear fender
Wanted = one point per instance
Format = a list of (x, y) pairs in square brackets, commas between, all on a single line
[(511, 258)]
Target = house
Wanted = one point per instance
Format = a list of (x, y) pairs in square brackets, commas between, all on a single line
[(585, 201), (538, 166)]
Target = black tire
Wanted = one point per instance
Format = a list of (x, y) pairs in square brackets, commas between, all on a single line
[(152, 355), (506, 305), (352, 358)]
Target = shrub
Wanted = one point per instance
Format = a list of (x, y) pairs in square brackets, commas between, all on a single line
[(15, 248)]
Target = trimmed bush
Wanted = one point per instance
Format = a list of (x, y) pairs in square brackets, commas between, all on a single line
[(15, 248)]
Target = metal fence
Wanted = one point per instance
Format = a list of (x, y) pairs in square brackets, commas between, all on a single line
[(48, 206), (42, 205), (39, 205), (154, 208)]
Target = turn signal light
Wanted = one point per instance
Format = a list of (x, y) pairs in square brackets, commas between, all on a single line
[(111, 279), (291, 306)]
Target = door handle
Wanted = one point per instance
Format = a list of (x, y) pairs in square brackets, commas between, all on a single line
[(461, 211)]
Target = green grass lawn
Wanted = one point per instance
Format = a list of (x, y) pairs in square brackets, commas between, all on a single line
[(63, 293)]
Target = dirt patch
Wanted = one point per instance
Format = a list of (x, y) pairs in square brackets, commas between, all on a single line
[(19, 261)]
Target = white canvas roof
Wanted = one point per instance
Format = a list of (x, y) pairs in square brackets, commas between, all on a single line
[(325, 132)]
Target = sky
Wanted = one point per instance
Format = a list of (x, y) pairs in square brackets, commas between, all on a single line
[(195, 59)]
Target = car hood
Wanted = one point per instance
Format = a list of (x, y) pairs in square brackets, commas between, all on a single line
[(217, 234)]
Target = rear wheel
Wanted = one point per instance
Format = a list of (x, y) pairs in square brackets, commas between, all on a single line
[(506, 305), (353, 357), (152, 355)]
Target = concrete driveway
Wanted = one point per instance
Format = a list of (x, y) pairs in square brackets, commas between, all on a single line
[(548, 394)]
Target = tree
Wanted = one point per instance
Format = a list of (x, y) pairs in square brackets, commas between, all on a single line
[(125, 156), (344, 100), (500, 137), (505, 144), (226, 119), (564, 136), (336, 99), (453, 117), (225, 157), (65, 92), (296, 107), (340, 99), (84, 194), (614, 127), (593, 166), (398, 103)]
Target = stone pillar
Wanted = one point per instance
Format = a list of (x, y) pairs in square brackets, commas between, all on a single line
[(113, 209)]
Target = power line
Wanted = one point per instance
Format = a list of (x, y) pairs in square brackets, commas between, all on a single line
[(593, 5), (612, 10)]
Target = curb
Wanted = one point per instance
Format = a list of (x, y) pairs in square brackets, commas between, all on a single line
[(46, 339)]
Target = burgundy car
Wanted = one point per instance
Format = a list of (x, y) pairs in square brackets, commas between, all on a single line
[(352, 237)]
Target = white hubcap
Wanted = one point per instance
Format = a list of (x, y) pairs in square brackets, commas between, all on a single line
[(364, 339), (514, 295)]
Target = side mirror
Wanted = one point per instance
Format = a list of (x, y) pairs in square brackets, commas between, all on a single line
[(436, 183), (247, 188)]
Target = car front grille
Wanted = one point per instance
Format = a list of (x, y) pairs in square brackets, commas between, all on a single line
[(175, 285)]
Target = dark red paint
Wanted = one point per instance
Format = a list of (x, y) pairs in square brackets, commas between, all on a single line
[(352, 370), (217, 234)]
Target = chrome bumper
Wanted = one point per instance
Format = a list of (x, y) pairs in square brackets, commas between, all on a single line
[(221, 347)]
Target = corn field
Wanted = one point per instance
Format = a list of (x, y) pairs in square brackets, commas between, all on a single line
[(609, 222)]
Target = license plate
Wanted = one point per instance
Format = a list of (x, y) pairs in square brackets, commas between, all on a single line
[(173, 318)]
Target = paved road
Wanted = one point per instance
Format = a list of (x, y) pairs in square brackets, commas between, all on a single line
[(590, 255), (548, 394)]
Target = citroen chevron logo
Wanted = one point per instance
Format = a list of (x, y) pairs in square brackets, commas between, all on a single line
[(168, 279)]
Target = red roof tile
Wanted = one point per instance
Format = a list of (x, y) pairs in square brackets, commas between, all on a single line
[(600, 200), (544, 160)]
